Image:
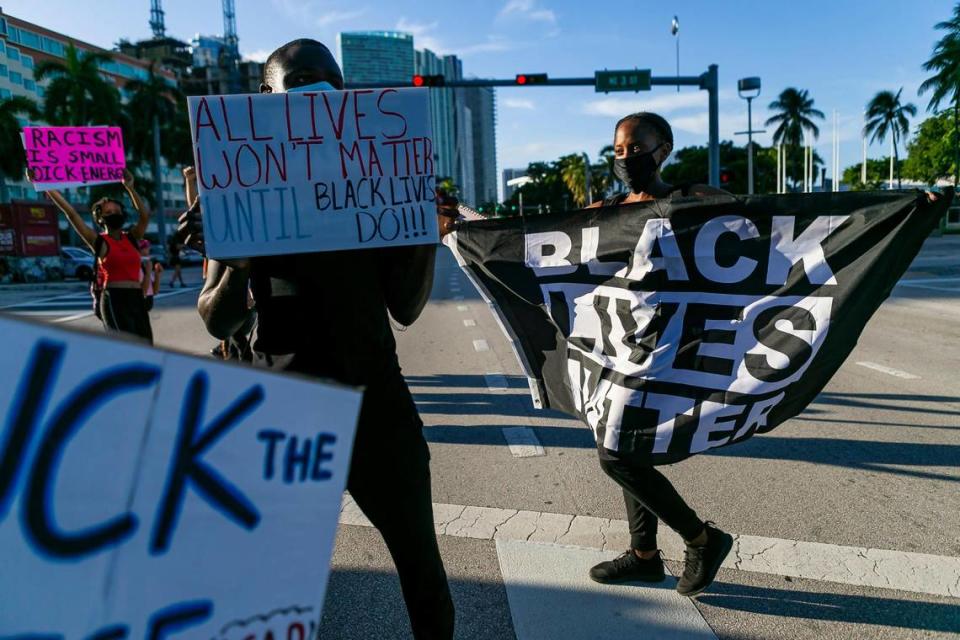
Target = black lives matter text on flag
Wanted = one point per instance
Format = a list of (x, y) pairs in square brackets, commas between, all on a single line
[(678, 326)]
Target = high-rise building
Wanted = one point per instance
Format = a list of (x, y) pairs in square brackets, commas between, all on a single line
[(463, 120), (506, 176), (481, 101), (443, 111), (376, 56)]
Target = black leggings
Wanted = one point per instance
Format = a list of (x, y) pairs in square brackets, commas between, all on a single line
[(123, 310), (649, 495)]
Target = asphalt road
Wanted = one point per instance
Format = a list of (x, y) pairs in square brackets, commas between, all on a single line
[(871, 467)]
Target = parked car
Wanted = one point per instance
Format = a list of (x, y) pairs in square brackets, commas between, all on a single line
[(159, 254), (78, 263), (190, 256)]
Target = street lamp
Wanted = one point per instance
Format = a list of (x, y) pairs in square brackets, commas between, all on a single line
[(675, 30), (519, 182), (749, 88)]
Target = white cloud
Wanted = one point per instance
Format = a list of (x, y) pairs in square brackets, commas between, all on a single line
[(422, 33), (528, 10), (661, 103), (518, 103), (334, 16), (492, 45), (260, 55), (424, 38)]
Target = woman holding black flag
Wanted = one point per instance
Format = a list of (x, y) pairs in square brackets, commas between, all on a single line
[(642, 142), (118, 257)]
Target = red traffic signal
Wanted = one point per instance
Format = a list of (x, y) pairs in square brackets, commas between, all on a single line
[(427, 81), (726, 176), (531, 78)]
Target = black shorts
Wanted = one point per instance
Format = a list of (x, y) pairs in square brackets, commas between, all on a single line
[(124, 310)]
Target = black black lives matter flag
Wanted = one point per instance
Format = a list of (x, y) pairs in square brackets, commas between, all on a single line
[(675, 326)]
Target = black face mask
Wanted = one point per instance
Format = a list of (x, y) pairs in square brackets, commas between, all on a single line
[(114, 221), (636, 171)]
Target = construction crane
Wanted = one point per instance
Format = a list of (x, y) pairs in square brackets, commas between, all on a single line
[(231, 53), (156, 19)]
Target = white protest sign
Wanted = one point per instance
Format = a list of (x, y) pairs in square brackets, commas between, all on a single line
[(315, 171), (146, 494)]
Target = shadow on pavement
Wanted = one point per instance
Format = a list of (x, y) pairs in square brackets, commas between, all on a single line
[(888, 612), (884, 457), (889, 402), (368, 604)]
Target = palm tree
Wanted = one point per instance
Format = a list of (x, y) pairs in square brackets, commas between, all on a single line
[(14, 162), (77, 95), (887, 116), (944, 62), (152, 108), (794, 118)]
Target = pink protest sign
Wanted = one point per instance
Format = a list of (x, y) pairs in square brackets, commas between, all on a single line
[(64, 157)]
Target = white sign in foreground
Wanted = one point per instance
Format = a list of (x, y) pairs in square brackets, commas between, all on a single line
[(286, 173), (145, 494)]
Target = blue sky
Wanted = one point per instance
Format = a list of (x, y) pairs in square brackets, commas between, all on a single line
[(842, 51)]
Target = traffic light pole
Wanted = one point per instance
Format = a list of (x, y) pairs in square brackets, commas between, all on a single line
[(708, 81)]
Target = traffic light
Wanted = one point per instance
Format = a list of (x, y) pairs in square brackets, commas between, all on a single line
[(726, 176), (427, 81), (524, 79)]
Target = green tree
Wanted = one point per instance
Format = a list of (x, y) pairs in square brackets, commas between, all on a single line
[(878, 171), (547, 191), (155, 104), (14, 161), (944, 63), (794, 118), (886, 115), (690, 164), (930, 153), (77, 95)]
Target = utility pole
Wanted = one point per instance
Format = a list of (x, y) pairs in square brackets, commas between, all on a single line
[(586, 177), (745, 87), (675, 30), (863, 166)]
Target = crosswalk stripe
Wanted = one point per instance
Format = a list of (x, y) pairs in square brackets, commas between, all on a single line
[(522, 442), (551, 597), (860, 566)]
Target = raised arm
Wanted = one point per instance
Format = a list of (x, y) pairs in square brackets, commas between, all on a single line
[(83, 230), (138, 230)]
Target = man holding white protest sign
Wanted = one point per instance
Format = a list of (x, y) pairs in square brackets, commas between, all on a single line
[(326, 314)]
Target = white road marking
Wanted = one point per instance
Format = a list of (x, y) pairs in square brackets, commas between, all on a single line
[(928, 280), (551, 597), (879, 568), (522, 442), (889, 371), (462, 307), (469, 322), (495, 380), (481, 345)]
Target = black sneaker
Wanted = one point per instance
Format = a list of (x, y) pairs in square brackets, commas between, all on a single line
[(700, 564), (627, 567)]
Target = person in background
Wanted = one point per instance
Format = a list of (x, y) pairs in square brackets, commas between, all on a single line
[(150, 273), (300, 330), (174, 246), (118, 257), (642, 142)]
